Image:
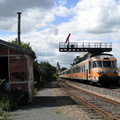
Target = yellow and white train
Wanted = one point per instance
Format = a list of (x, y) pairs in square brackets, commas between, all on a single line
[(101, 69)]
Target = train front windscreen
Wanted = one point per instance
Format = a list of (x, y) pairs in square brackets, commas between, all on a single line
[(104, 64)]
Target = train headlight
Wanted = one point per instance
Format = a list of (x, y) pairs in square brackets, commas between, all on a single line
[(116, 71), (99, 72)]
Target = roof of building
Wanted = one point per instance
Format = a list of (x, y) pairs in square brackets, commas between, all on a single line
[(18, 48)]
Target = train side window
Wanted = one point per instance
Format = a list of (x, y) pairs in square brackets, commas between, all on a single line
[(71, 71), (84, 68), (74, 70), (80, 69), (94, 64), (77, 69), (98, 64), (91, 64), (114, 64)]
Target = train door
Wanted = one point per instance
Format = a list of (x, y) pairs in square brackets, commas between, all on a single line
[(89, 68)]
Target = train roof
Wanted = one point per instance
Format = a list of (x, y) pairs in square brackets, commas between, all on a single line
[(96, 56), (105, 56)]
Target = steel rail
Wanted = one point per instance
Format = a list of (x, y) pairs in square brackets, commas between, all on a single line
[(105, 114), (101, 97)]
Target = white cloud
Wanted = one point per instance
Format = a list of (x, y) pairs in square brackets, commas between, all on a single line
[(61, 11), (101, 16), (90, 21), (33, 20)]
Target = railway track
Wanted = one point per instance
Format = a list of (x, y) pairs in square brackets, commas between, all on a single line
[(109, 109), (110, 92)]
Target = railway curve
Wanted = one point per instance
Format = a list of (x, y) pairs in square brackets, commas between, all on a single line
[(110, 109)]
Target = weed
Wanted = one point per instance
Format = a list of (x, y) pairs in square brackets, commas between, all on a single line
[(4, 115), (57, 111), (4, 101), (35, 91)]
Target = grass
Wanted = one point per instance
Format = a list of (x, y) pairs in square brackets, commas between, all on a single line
[(5, 105), (57, 111)]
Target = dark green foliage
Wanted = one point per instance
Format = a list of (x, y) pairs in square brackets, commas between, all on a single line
[(47, 71), (36, 71), (63, 68), (79, 59), (43, 72)]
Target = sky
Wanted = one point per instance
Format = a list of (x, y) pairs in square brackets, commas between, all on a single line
[(45, 23)]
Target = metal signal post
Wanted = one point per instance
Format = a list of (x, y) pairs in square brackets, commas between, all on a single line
[(90, 47)]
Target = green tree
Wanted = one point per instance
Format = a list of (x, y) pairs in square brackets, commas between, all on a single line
[(47, 72), (79, 59), (63, 68), (36, 71), (22, 44)]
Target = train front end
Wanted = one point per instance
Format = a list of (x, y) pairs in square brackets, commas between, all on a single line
[(106, 70)]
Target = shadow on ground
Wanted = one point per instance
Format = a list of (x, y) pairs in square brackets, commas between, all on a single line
[(49, 101)]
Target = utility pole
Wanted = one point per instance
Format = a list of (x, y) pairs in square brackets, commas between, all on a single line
[(19, 32)]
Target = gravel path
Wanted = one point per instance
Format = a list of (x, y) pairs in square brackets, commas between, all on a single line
[(44, 107), (51, 103)]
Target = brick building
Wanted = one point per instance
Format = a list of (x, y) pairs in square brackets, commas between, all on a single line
[(16, 67)]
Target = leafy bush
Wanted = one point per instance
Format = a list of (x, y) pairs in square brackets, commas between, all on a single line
[(5, 115), (1, 81), (12, 100), (5, 101)]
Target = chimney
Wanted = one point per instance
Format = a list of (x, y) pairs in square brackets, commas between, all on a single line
[(19, 32)]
